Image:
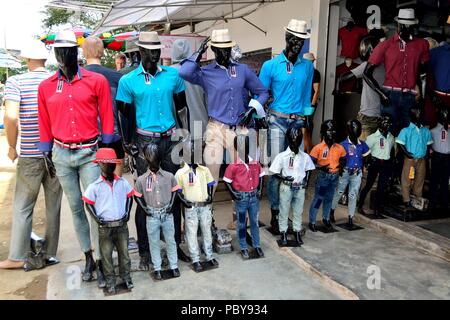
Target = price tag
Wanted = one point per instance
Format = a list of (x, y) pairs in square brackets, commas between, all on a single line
[(412, 173), (291, 163), (59, 86), (233, 72), (381, 143), (149, 184), (444, 135), (351, 150), (191, 178), (288, 68), (147, 79), (325, 153)]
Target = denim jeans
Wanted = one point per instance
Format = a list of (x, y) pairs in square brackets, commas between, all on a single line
[(115, 237), (30, 175), (248, 202), (277, 144), (193, 217), (155, 223), (165, 145), (399, 105), (73, 167), (326, 185), (294, 199), (353, 181)]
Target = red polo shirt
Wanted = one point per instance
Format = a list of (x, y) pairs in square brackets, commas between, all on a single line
[(243, 177), (69, 111), (350, 41), (401, 61)]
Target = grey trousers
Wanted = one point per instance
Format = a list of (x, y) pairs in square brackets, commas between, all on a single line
[(31, 174)]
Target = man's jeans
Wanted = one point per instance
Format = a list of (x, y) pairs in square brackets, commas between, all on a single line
[(73, 167), (277, 144), (291, 198), (155, 223), (193, 217), (165, 145), (115, 237), (353, 181), (399, 105), (326, 185), (248, 202), (31, 173)]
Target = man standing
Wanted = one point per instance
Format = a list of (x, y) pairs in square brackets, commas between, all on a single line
[(21, 106), (120, 60), (70, 103), (289, 77)]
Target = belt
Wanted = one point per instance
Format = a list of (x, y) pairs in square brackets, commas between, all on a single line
[(442, 93), (293, 184), (113, 224), (249, 193), (199, 204), (153, 211), (440, 155), (223, 124), (77, 145), (287, 116), (353, 171), (401, 89), (168, 133)]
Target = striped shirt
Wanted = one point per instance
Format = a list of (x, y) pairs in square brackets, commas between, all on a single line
[(23, 89)]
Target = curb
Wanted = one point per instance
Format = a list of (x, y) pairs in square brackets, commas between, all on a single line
[(342, 291)]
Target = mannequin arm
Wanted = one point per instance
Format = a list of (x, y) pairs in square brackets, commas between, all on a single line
[(342, 164), (183, 200), (90, 208), (182, 110), (283, 178), (124, 109), (49, 166), (141, 202), (210, 194), (315, 99), (405, 152), (368, 77), (260, 187), (172, 200), (234, 194), (128, 207)]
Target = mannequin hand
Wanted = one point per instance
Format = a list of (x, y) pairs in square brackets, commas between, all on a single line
[(288, 178), (209, 200), (309, 122), (261, 124), (12, 154), (236, 196), (187, 204), (132, 150), (325, 169), (385, 100), (49, 164), (259, 195), (202, 49), (247, 117)]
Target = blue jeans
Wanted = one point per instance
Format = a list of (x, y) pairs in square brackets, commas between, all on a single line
[(291, 198), (277, 143), (248, 202), (353, 181), (73, 167), (326, 185), (155, 223), (192, 218), (399, 105)]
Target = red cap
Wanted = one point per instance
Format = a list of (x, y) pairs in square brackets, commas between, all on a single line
[(106, 155)]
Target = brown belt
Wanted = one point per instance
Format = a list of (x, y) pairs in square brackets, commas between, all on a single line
[(287, 116)]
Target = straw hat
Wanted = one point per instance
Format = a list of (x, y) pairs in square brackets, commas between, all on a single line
[(65, 39), (406, 16), (309, 56), (149, 40), (298, 28), (34, 49), (221, 39)]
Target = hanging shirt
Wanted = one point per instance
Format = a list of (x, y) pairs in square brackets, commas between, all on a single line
[(441, 139), (293, 165), (350, 85), (440, 67), (350, 40)]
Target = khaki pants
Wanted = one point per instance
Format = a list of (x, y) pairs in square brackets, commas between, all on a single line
[(415, 184), (369, 125)]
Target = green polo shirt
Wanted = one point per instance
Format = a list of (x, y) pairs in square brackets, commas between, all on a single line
[(380, 146)]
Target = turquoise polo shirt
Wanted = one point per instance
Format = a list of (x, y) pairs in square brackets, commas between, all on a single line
[(291, 85), (152, 96), (416, 140)]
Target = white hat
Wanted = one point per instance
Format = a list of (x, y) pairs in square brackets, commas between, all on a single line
[(149, 40), (309, 56), (65, 39), (406, 16), (221, 39), (130, 46), (34, 49), (298, 28)]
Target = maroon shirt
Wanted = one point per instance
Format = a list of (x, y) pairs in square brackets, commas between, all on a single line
[(350, 41), (401, 61), (243, 177)]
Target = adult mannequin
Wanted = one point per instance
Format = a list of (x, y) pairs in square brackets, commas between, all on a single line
[(404, 57), (289, 78), (153, 90)]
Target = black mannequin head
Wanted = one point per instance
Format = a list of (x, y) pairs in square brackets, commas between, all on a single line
[(294, 137), (67, 58), (242, 146), (328, 132), (415, 115), (150, 59), (108, 170), (350, 25), (153, 157), (223, 55), (385, 123), (366, 47), (443, 117), (294, 46), (405, 32), (354, 130), (191, 158)]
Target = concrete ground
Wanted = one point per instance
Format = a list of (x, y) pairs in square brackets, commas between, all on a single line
[(328, 266)]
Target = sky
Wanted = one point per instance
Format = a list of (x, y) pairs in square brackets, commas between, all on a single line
[(20, 19)]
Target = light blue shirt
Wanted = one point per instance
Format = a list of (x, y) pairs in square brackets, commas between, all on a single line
[(152, 96), (291, 85), (416, 140)]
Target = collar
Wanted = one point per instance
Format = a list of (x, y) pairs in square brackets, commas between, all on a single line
[(413, 126), (350, 141), (284, 59), (216, 65), (141, 70), (158, 173), (79, 74), (102, 178), (378, 133)]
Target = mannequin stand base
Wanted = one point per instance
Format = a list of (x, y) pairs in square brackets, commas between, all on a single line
[(252, 255), (206, 267), (166, 275), (121, 288), (323, 229), (373, 216), (347, 227), (290, 231), (290, 244)]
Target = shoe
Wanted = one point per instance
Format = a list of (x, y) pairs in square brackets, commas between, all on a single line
[(50, 261), (259, 252), (176, 273), (157, 275), (274, 220), (332, 216), (312, 227), (245, 254), (197, 267), (377, 214), (361, 210), (298, 238), (101, 281), (350, 222), (283, 239), (213, 263), (129, 284), (89, 268), (144, 262), (327, 224), (182, 256), (111, 289)]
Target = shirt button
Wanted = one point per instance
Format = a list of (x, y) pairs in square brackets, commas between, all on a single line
[(73, 121), (74, 135), (71, 109), (70, 96)]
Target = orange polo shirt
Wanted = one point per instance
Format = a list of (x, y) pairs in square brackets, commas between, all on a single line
[(328, 156)]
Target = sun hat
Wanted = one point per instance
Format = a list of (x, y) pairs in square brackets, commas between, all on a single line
[(149, 40), (221, 38), (34, 49), (406, 16), (65, 39), (298, 28), (309, 56)]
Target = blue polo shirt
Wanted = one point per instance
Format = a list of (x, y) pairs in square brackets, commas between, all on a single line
[(440, 67), (416, 140), (109, 200), (355, 153), (291, 85), (152, 96)]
